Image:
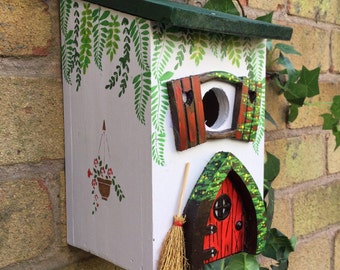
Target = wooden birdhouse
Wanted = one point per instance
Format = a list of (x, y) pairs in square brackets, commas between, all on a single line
[(148, 86)]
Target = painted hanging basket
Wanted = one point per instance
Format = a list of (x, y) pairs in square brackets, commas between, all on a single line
[(102, 175), (104, 187)]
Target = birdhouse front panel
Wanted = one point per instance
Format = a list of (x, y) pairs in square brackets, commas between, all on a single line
[(142, 98)]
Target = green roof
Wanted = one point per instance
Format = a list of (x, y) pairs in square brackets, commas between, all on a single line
[(191, 17)]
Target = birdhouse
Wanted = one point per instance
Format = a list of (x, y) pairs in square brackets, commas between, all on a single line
[(149, 86)]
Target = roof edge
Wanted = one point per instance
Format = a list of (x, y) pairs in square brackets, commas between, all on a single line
[(196, 18)]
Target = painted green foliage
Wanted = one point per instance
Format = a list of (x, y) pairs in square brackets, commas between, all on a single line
[(97, 33), (215, 173), (255, 57), (177, 44)]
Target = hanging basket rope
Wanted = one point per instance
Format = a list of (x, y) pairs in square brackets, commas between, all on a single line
[(172, 256)]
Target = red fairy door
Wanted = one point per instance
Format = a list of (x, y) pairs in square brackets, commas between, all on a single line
[(225, 225)]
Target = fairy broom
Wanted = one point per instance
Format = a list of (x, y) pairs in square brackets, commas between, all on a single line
[(172, 256)]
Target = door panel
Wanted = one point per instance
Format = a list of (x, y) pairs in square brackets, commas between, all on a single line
[(227, 220)]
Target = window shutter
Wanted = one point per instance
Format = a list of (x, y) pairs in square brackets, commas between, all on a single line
[(187, 112)]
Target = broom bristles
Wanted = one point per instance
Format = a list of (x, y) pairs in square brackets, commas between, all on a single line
[(172, 256)]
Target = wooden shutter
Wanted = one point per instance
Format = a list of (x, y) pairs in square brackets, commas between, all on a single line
[(187, 112), (248, 116)]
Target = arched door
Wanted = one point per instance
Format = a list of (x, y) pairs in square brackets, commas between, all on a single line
[(225, 213), (226, 224)]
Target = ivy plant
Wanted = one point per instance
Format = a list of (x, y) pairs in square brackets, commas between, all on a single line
[(296, 85), (331, 121)]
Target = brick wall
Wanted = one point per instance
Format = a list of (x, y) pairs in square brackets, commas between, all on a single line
[(32, 209)]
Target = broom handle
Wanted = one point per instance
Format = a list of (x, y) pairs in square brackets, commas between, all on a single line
[(184, 182)]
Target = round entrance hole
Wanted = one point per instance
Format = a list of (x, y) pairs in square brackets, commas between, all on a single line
[(216, 108)]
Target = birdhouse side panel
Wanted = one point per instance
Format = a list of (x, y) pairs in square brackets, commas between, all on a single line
[(107, 82)]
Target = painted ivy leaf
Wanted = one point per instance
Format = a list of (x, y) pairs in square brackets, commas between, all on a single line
[(286, 48), (243, 261), (105, 14), (166, 76), (142, 85), (310, 78), (158, 142), (173, 37)]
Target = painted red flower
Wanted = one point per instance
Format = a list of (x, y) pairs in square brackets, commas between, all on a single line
[(109, 172), (94, 182), (102, 170), (89, 173), (95, 162)]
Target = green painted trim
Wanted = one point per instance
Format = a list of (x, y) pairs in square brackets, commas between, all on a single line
[(182, 15)]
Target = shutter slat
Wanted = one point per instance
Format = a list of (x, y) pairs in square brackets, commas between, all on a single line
[(201, 132), (178, 114), (187, 114)]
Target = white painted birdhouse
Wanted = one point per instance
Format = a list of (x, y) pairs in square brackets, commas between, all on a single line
[(148, 86)]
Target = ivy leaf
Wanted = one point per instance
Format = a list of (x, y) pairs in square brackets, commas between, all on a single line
[(335, 107), (270, 118), (283, 265), (271, 170), (310, 78), (217, 265), (271, 167), (284, 61), (266, 18), (293, 113), (270, 208), (278, 246), (289, 49), (296, 93), (328, 121), (337, 139), (243, 261), (226, 6), (332, 121), (269, 45)]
